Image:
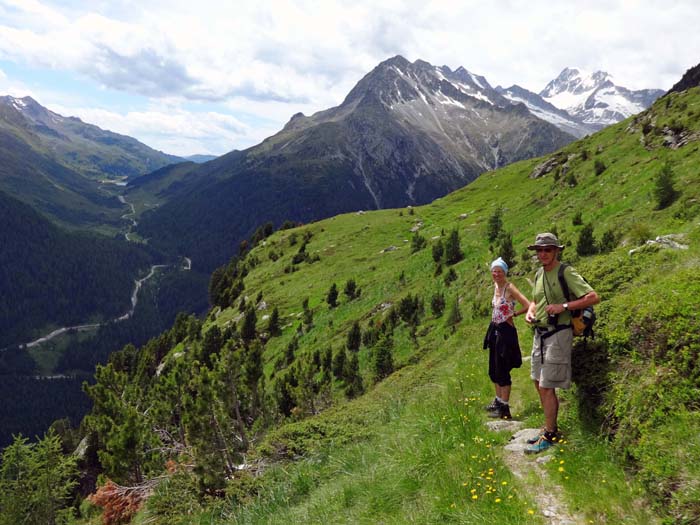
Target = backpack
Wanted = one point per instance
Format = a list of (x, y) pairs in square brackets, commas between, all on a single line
[(582, 321)]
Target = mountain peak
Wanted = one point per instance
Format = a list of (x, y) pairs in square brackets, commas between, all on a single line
[(575, 81), (594, 99), (397, 61)]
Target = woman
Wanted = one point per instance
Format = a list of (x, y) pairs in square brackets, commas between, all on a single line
[(502, 338)]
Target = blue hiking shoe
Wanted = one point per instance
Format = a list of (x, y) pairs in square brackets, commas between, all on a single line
[(536, 438), (541, 445)]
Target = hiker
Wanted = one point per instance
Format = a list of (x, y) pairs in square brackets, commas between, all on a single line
[(550, 314), (502, 338)]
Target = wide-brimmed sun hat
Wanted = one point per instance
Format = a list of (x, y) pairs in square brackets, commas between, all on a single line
[(545, 239)]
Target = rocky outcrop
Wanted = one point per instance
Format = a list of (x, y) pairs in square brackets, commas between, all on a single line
[(690, 79)]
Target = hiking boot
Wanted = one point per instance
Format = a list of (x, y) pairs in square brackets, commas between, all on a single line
[(540, 445), (554, 437), (502, 412), (493, 405)]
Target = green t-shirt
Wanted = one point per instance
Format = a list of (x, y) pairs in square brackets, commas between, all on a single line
[(547, 290)]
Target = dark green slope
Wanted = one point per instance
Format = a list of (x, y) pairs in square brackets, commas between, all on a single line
[(56, 191), (52, 277)]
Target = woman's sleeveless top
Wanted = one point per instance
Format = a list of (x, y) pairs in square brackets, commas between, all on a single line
[(502, 308)]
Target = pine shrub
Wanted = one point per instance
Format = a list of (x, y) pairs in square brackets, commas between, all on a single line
[(586, 242), (664, 192), (437, 304)]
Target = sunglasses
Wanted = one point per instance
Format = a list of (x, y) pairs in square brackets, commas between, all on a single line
[(548, 249)]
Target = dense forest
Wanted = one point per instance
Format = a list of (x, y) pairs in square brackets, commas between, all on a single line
[(50, 277), (159, 304), (47, 400), (30, 404)]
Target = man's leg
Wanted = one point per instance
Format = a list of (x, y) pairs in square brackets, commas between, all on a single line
[(550, 405)]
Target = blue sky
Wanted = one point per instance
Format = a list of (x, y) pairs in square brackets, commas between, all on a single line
[(209, 77)]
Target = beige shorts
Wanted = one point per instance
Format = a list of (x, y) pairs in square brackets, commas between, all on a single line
[(555, 371)]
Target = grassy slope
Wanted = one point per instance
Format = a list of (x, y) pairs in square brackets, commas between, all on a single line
[(414, 448)]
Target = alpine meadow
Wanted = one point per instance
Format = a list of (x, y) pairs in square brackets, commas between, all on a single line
[(339, 375)]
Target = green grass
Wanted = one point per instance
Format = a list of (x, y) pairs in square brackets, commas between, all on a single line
[(414, 448)]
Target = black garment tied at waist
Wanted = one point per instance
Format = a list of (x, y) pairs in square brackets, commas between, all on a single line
[(503, 339)]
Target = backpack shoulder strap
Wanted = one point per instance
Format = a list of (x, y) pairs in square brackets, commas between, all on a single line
[(562, 281), (539, 273)]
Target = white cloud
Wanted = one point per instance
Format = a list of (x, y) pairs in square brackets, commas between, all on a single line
[(169, 129), (268, 60)]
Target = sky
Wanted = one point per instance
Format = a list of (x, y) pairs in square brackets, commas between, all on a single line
[(206, 77)]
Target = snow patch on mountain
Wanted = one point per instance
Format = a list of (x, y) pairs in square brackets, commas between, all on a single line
[(594, 99)]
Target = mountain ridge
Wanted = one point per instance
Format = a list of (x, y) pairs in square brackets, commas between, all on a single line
[(406, 133), (66, 138)]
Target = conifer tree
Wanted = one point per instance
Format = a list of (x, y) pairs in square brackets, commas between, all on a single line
[(505, 249), (332, 297), (284, 388), (438, 251), (664, 191), (350, 289), (455, 315), (437, 304), (36, 481), (383, 364), (308, 314), (495, 225), (339, 363), (253, 375), (327, 359), (354, 337), (586, 242), (128, 446), (352, 378), (273, 326), (292, 347), (453, 250), (418, 242), (250, 320), (211, 345)]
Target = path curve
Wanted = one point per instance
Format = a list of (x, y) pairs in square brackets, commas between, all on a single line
[(138, 283), (547, 496)]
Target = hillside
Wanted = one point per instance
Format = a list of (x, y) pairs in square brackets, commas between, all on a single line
[(257, 425)]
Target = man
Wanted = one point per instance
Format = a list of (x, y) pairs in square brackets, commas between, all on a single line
[(550, 313)]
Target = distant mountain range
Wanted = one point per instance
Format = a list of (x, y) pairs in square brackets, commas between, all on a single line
[(407, 133), (581, 103), (83, 147), (56, 163)]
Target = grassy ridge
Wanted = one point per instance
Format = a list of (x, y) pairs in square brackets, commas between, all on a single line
[(414, 448)]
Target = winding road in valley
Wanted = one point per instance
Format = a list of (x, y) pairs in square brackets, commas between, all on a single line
[(134, 294)]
